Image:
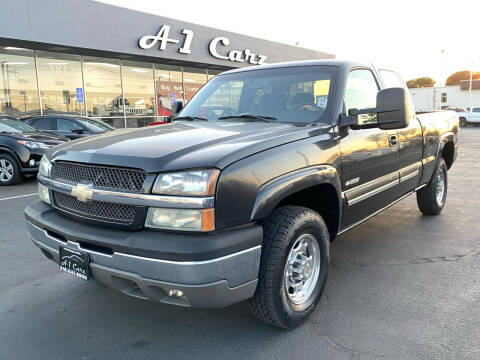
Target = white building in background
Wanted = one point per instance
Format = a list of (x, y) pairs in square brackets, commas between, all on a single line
[(436, 98)]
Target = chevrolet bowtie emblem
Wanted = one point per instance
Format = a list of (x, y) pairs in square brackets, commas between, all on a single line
[(82, 192)]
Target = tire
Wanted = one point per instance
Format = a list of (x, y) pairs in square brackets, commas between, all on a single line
[(428, 201), (463, 122), (286, 232), (9, 170)]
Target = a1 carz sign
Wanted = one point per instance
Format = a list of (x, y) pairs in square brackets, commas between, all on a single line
[(184, 46)]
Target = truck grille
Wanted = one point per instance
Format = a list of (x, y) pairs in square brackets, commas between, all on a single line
[(102, 177), (95, 210)]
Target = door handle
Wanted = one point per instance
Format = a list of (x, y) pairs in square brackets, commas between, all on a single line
[(393, 140)]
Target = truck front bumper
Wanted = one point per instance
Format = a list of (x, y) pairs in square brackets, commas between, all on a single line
[(218, 269)]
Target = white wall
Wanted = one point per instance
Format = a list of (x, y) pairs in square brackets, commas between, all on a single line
[(430, 98)]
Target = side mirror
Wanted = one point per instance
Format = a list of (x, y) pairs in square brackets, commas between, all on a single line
[(391, 112), (392, 106), (177, 107), (78, 131)]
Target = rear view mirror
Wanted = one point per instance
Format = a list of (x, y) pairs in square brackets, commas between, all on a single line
[(392, 108), (391, 112), (78, 131)]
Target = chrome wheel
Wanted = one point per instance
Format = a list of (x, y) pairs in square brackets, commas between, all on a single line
[(6, 170), (440, 187), (302, 269)]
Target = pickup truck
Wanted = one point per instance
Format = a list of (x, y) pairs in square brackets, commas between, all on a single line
[(240, 197), (472, 116)]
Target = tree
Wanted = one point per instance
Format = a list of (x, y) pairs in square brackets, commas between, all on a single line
[(420, 82), (457, 77)]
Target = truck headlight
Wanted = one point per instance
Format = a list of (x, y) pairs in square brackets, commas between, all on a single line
[(181, 219), (44, 194), (187, 183), (45, 166)]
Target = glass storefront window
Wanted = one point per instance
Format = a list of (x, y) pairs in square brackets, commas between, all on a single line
[(193, 80), (103, 89), (18, 82), (59, 75), (213, 73), (138, 88), (168, 82)]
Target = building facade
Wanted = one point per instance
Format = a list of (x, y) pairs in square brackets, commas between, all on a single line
[(124, 67), (442, 97)]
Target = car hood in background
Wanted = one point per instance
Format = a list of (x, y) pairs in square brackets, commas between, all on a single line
[(182, 145), (38, 136)]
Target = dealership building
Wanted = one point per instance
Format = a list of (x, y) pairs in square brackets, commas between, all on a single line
[(82, 57)]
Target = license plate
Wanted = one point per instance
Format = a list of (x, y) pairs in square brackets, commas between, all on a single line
[(74, 262)]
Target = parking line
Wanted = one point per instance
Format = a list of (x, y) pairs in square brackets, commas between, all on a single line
[(16, 197)]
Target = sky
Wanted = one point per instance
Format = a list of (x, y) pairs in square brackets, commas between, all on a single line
[(416, 38)]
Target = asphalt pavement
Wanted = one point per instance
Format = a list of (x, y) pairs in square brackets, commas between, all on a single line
[(401, 286)]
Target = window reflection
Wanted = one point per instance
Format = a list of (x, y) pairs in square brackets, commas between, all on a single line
[(138, 88), (103, 87), (18, 83), (58, 77), (168, 81), (193, 80)]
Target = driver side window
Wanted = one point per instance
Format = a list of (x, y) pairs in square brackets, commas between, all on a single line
[(361, 91)]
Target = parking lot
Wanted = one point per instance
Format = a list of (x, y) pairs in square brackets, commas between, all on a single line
[(401, 286)]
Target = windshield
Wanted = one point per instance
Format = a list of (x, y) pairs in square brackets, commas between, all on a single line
[(294, 95), (95, 125), (8, 124)]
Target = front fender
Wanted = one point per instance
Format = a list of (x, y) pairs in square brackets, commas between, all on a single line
[(273, 192)]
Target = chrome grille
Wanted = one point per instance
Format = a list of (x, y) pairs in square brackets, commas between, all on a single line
[(96, 210), (102, 177)]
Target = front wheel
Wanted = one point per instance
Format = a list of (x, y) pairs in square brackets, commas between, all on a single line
[(9, 170), (431, 199), (294, 267), (463, 122)]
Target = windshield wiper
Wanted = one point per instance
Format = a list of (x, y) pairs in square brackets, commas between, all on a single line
[(249, 116), (190, 118)]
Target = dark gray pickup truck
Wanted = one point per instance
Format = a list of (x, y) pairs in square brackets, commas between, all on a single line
[(242, 195)]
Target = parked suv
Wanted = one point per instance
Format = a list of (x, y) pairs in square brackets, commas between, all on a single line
[(21, 148), (242, 195), (71, 127)]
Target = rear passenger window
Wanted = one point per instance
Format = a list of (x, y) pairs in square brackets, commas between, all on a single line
[(390, 79), (42, 124)]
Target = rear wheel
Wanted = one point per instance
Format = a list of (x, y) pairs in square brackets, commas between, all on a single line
[(9, 170), (294, 267), (431, 199)]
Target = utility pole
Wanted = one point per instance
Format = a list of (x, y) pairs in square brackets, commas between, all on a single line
[(470, 89)]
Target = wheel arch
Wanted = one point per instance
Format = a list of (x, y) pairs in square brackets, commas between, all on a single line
[(7, 150), (446, 149), (315, 187)]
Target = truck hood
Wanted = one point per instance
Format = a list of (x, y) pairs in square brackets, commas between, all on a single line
[(182, 145)]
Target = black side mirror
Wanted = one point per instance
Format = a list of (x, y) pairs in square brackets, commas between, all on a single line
[(391, 112), (177, 107), (392, 106), (78, 131)]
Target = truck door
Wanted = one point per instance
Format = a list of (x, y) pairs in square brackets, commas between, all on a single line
[(369, 156), (410, 141)]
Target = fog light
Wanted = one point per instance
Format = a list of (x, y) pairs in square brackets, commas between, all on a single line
[(175, 293), (44, 193), (31, 162)]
